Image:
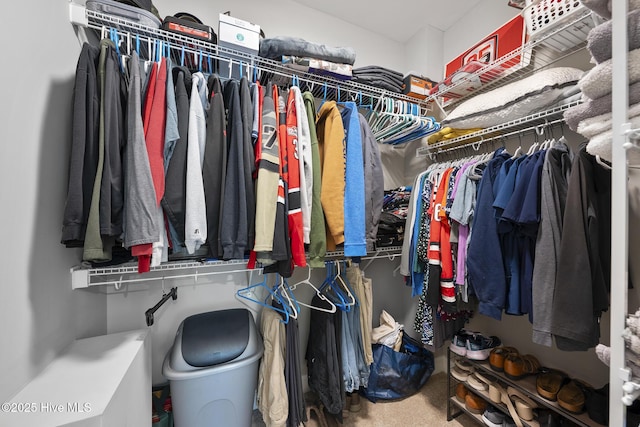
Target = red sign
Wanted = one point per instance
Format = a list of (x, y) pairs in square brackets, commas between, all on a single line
[(460, 79)]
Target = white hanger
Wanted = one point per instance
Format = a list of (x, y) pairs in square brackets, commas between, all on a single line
[(307, 281), (287, 298), (338, 279)]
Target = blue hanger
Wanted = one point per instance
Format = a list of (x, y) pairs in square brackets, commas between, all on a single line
[(332, 290), (210, 63), (182, 57), (247, 293)]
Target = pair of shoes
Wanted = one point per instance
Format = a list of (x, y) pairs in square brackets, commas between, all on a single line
[(498, 355), (480, 381), (597, 404), (479, 347), (462, 370), (517, 366), (461, 392), (494, 418), (523, 404), (477, 384), (549, 382), (572, 396), (474, 403), (459, 342), (473, 345), (520, 406)]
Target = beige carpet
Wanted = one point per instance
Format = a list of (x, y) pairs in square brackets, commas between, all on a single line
[(427, 408)]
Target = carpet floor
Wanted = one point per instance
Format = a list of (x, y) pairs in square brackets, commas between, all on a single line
[(427, 408)]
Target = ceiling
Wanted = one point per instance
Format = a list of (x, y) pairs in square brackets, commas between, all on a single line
[(396, 20)]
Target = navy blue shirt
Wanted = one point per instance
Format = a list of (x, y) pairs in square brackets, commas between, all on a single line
[(484, 258)]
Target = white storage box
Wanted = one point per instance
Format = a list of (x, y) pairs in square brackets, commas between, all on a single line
[(239, 35), (212, 369), (545, 16)]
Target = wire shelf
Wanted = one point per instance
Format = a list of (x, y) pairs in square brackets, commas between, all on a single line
[(85, 276), (503, 130), (320, 85), (534, 55)]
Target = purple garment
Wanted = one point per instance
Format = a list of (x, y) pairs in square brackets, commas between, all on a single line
[(463, 228)]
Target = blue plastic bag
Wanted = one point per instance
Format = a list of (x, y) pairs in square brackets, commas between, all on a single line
[(399, 374)]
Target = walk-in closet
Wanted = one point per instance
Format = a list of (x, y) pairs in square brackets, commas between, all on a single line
[(288, 213)]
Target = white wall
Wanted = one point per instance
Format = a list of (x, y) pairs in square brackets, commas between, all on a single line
[(424, 53), (483, 19), (39, 312)]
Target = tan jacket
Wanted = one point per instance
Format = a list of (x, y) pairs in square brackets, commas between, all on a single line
[(331, 143)]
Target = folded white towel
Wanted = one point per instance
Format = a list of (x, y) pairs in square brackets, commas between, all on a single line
[(600, 145), (595, 125), (597, 82)]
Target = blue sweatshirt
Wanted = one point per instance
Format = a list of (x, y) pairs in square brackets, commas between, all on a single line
[(354, 209)]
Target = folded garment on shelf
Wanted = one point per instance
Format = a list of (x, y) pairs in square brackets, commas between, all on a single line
[(514, 100), (595, 107), (599, 38), (276, 47), (595, 125), (600, 145), (381, 77), (447, 133), (603, 7), (318, 66), (597, 82)]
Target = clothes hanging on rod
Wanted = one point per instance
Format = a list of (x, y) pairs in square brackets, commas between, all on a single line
[(510, 248), (338, 351), (203, 164)]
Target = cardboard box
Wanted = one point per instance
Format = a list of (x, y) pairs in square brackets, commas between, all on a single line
[(417, 86), (240, 36)]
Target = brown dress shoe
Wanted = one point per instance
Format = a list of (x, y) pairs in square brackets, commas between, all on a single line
[(474, 403), (517, 366), (461, 392), (498, 356)]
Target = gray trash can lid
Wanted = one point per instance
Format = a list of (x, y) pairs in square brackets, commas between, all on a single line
[(215, 337)]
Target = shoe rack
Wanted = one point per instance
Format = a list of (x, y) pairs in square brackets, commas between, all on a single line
[(526, 386)]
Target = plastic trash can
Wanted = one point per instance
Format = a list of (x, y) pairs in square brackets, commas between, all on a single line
[(212, 369)]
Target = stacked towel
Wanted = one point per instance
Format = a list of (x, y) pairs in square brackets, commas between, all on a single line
[(603, 7), (599, 38), (381, 77), (592, 118), (597, 82), (596, 107)]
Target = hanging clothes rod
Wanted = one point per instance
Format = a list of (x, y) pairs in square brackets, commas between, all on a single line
[(476, 144), (134, 35)]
